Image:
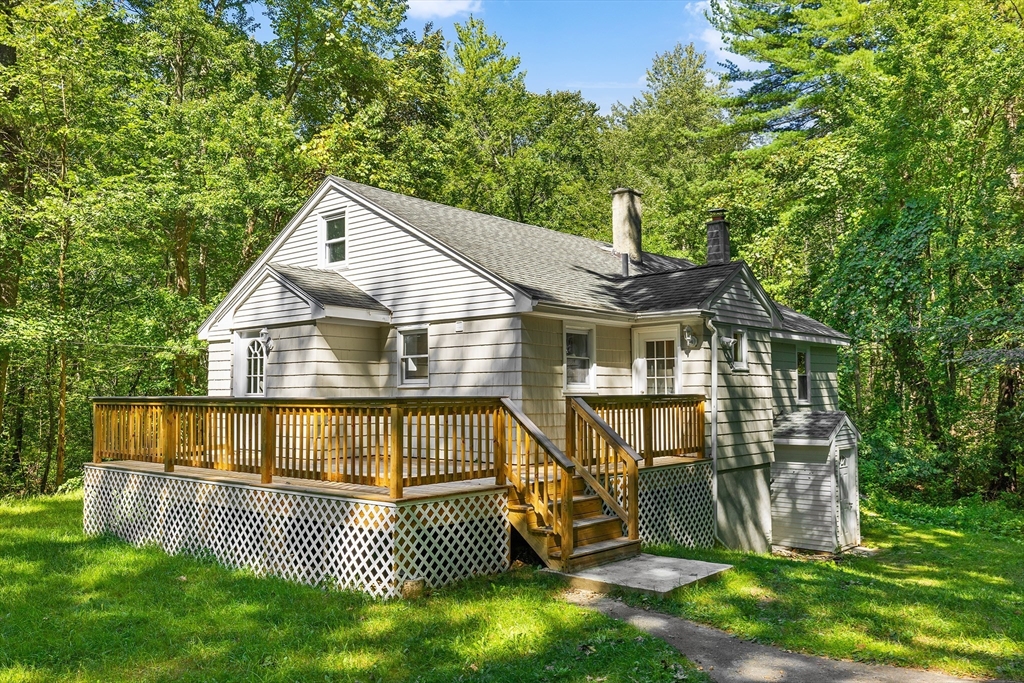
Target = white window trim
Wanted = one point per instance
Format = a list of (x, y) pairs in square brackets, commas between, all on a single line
[(324, 260), (240, 364), (400, 351), (741, 350), (806, 350), (591, 331), (640, 336)]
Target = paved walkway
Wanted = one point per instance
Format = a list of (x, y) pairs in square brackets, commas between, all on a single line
[(730, 660)]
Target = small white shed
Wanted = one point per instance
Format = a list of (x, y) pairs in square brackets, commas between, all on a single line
[(814, 486)]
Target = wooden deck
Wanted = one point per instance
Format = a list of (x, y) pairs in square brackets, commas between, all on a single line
[(320, 488)]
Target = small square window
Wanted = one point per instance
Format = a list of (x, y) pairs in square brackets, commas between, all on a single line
[(414, 357), (335, 233)]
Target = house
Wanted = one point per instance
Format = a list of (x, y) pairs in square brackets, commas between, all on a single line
[(646, 389)]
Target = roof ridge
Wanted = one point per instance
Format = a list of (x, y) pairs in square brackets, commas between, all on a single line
[(589, 240)]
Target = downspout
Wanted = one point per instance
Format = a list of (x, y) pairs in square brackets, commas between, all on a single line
[(714, 424)]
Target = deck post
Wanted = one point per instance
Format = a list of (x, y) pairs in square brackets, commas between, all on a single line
[(570, 430), (633, 498), (167, 440), (397, 456), (648, 419), (97, 435), (566, 520), (268, 442), (499, 446)]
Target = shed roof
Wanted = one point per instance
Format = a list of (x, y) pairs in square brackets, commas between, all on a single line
[(810, 427), (328, 287)]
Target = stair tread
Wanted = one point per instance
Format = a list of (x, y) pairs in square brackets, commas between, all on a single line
[(578, 522), (593, 548), (580, 498)]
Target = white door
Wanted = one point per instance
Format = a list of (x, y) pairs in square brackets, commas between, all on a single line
[(849, 507), (656, 366)]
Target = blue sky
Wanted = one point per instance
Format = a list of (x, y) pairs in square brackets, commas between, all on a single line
[(601, 47)]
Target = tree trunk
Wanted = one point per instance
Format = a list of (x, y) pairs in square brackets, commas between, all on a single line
[(10, 259), (182, 237), (62, 412), (49, 420), (202, 273), (19, 428), (1007, 431)]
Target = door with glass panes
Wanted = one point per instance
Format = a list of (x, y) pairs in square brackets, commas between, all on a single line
[(656, 367)]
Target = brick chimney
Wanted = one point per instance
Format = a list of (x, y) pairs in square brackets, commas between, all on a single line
[(626, 236), (718, 238)]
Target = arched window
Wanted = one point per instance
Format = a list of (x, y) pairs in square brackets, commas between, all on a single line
[(255, 367)]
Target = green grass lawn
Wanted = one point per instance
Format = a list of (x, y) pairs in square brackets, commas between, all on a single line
[(95, 609), (932, 598)]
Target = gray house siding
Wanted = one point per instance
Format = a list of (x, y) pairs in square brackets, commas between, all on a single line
[(218, 368), (824, 393), (746, 447)]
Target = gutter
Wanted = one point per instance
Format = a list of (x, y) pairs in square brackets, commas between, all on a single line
[(714, 424)]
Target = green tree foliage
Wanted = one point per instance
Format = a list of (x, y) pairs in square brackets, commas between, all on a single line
[(670, 144), (891, 153)]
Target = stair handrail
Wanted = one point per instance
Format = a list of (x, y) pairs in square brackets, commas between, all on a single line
[(626, 453), (559, 514)]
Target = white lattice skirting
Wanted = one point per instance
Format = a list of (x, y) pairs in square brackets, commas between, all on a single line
[(321, 540), (676, 505)]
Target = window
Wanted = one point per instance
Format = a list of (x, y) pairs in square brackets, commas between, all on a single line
[(335, 238), (803, 377), (255, 367), (414, 357), (739, 350), (661, 366), (579, 359)]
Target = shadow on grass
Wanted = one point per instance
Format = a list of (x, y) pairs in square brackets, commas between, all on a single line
[(932, 598), (82, 608)]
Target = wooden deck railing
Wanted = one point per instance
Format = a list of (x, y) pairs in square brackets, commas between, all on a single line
[(655, 426), (539, 472), (606, 462), (391, 445)]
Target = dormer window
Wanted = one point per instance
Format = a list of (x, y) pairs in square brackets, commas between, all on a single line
[(335, 239)]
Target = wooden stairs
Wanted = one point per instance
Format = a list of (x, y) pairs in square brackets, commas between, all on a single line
[(597, 538)]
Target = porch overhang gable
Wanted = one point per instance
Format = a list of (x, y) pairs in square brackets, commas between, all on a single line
[(224, 323)]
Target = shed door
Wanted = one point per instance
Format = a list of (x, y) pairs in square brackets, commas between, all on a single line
[(849, 506)]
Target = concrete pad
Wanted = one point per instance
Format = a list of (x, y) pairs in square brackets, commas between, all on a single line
[(650, 574)]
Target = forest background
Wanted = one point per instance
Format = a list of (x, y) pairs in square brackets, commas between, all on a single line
[(870, 163)]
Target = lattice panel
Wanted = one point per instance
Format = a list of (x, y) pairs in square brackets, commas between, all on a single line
[(676, 505), (445, 540), (317, 540)]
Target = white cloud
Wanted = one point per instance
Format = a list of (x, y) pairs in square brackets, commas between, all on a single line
[(718, 52), (441, 9), (698, 9)]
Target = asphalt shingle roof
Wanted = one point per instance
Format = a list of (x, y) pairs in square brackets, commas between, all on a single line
[(814, 425), (794, 321), (551, 266), (559, 268), (328, 287)]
